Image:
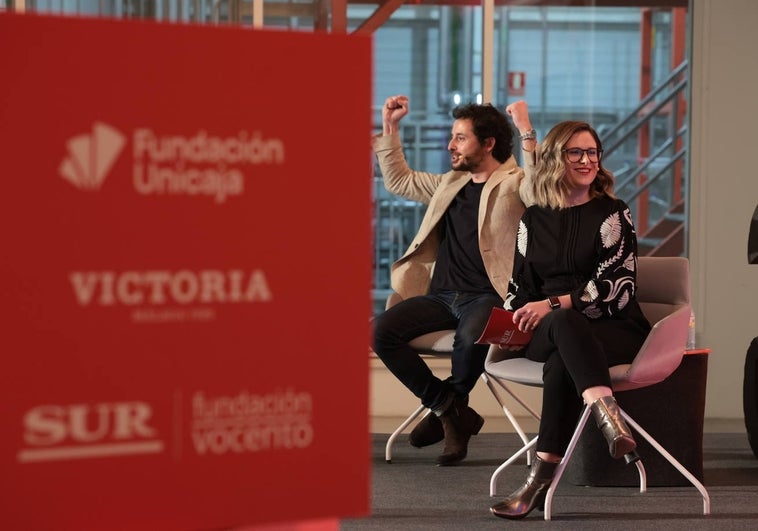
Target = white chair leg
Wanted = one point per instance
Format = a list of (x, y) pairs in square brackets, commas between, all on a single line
[(562, 465), (643, 476), (671, 459), (511, 459), (518, 399), (515, 423), (506, 411), (398, 431)]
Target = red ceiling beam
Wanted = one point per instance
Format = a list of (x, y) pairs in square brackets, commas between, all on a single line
[(545, 3), (378, 17)]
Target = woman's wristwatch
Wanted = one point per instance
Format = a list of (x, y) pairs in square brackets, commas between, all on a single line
[(529, 135), (554, 302)]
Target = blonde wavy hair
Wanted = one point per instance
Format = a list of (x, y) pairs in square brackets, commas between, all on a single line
[(549, 186)]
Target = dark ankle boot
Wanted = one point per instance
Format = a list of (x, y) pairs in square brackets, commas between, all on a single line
[(459, 423), (614, 427), (530, 495), (429, 430)]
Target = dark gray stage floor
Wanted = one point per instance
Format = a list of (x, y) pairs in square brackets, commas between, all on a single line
[(414, 494)]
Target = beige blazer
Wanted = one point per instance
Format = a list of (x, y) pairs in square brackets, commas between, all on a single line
[(500, 210)]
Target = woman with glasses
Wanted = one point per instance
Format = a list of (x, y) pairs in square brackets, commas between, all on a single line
[(573, 284)]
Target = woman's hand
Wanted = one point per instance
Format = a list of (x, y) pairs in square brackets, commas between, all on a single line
[(511, 348), (530, 314), (519, 113)]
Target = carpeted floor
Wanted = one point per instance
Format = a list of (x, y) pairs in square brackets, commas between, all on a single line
[(412, 493)]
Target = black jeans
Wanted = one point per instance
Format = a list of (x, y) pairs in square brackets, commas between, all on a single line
[(465, 312)]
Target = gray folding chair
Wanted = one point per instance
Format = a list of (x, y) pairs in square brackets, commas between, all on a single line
[(440, 345), (663, 292)]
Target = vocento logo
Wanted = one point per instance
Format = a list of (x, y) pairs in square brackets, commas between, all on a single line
[(91, 156), (247, 422), (172, 164)]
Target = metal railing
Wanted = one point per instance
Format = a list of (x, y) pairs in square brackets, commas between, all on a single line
[(655, 181)]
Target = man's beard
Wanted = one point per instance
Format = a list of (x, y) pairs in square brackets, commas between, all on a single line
[(465, 164)]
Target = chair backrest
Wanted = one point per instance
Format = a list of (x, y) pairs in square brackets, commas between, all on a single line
[(663, 291), (663, 284)]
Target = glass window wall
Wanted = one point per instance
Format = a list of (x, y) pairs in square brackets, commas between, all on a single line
[(623, 69)]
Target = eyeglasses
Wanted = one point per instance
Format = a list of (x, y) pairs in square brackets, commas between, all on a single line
[(576, 154)]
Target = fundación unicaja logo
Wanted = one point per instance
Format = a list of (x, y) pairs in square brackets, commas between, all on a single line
[(91, 156), (199, 165)]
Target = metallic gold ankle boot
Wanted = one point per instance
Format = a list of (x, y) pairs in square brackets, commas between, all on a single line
[(614, 427), (530, 495)]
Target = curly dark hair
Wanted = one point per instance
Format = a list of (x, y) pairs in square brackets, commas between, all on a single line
[(488, 122)]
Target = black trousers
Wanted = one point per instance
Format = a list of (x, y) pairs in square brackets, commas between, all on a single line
[(465, 312), (577, 352)]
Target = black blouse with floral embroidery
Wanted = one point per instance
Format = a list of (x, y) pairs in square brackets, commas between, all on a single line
[(589, 251)]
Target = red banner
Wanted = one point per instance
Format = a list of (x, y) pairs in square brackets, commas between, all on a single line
[(184, 275)]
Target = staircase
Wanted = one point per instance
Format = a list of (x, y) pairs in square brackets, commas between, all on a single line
[(666, 237), (647, 152)]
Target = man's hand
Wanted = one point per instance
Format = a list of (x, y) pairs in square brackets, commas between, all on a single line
[(393, 110)]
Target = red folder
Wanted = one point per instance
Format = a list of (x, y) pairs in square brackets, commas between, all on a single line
[(501, 330)]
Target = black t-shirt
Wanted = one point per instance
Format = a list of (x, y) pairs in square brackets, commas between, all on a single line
[(459, 265)]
